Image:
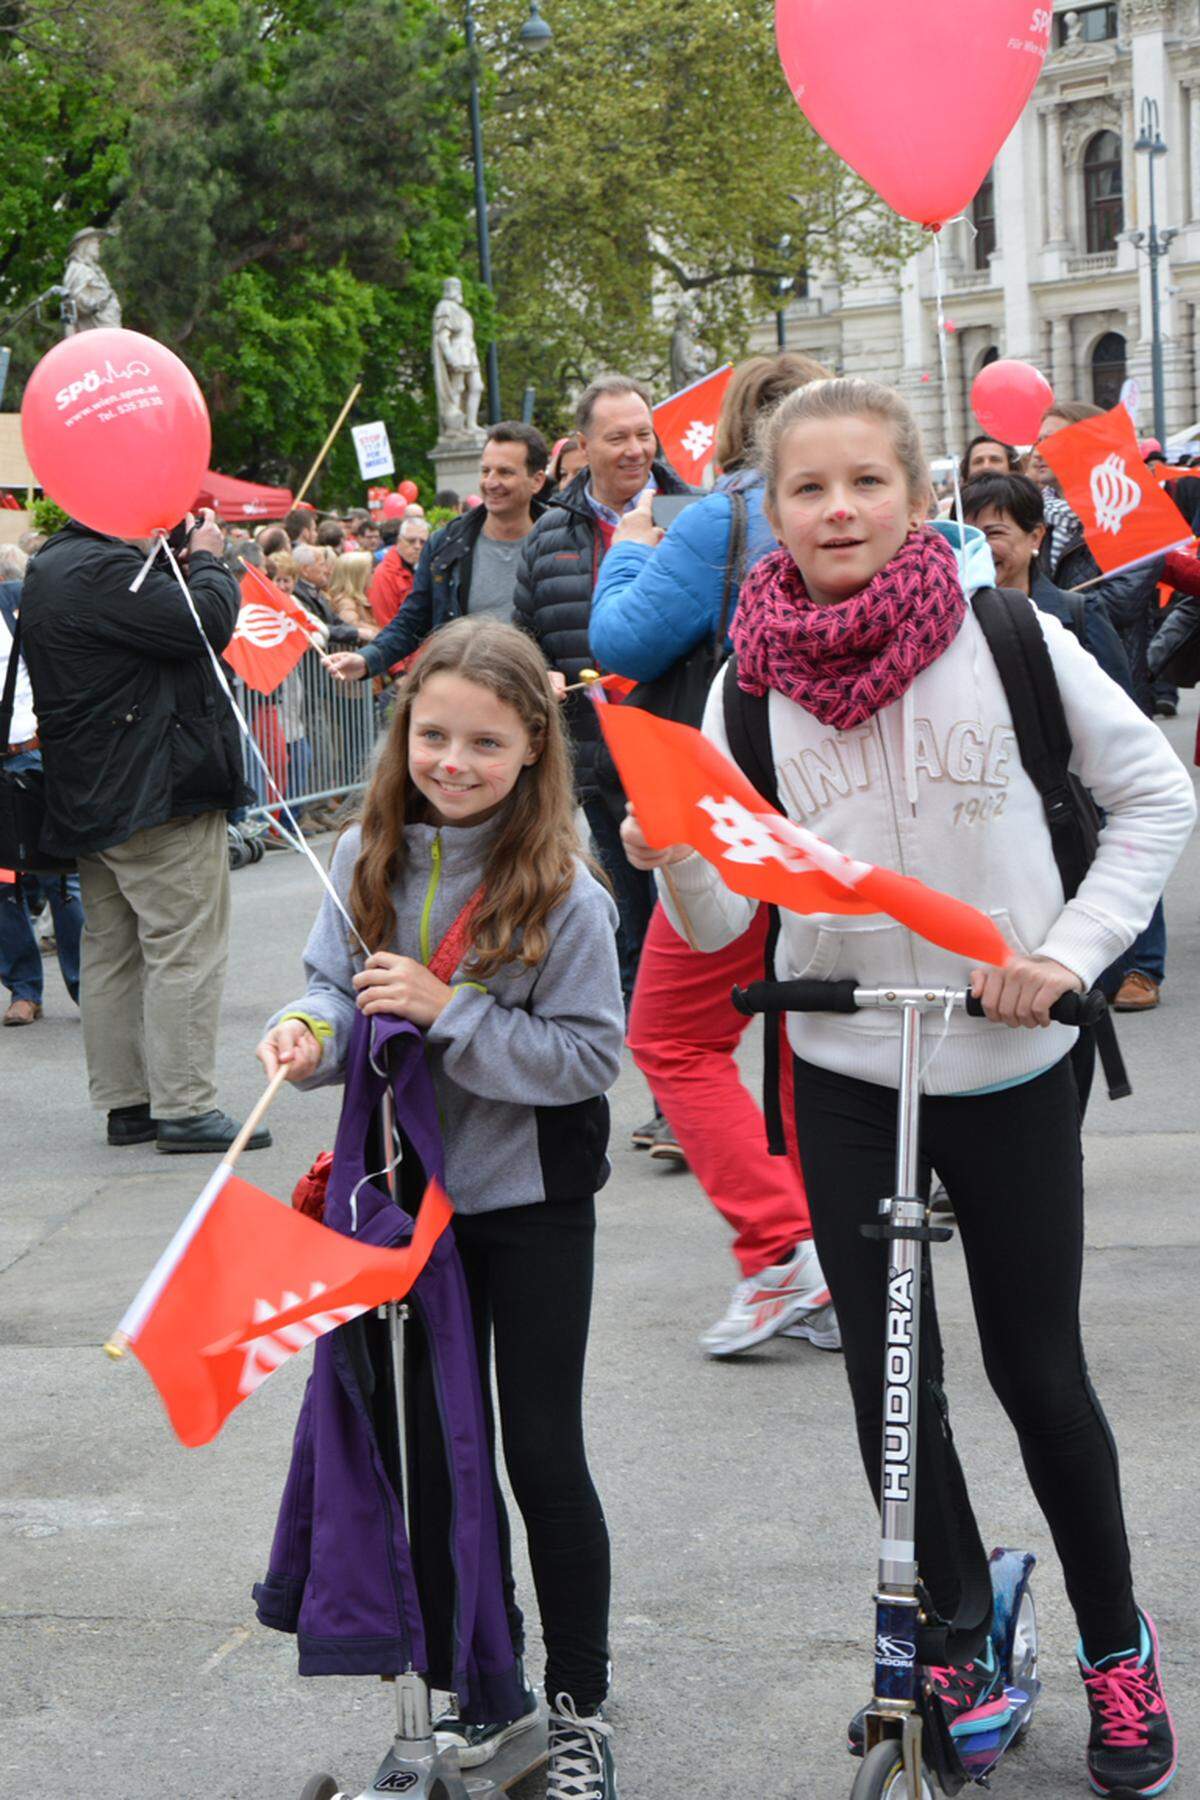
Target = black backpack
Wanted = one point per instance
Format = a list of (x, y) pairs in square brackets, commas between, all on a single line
[(1009, 623)]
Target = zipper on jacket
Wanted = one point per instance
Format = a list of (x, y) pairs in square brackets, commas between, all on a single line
[(900, 868), (430, 895)]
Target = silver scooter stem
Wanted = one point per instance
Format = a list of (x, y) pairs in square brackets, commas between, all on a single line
[(897, 1551)]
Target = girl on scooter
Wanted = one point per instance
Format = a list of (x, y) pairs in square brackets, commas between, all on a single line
[(891, 736)]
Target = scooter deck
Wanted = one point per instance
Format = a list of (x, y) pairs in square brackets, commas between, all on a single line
[(510, 1765)]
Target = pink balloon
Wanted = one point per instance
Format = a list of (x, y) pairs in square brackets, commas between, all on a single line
[(1010, 400), (917, 97), (394, 507), (117, 431)]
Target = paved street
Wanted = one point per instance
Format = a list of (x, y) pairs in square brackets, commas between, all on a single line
[(131, 1667)]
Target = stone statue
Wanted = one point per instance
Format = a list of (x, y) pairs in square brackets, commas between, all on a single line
[(1074, 28), (456, 371), (688, 361), (96, 304)]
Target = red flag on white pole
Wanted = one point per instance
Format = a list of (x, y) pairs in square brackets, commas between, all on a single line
[(1125, 514), (245, 1282), (687, 424)]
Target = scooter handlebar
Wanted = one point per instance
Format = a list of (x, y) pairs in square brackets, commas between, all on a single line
[(842, 997)]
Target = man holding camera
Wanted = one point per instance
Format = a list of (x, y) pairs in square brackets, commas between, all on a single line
[(142, 762)]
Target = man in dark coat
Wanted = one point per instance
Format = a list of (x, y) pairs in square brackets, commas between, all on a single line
[(472, 563), (142, 761), (553, 602)]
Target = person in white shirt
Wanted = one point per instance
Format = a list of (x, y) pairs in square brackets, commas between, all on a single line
[(892, 737), (20, 953)]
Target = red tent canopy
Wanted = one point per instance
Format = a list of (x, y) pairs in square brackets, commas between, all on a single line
[(236, 502)]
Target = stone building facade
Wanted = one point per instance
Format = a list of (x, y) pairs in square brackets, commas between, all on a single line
[(1051, 272)]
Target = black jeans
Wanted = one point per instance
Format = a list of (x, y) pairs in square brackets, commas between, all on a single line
[(529, 1275), (1013, 1167), (633, 889)]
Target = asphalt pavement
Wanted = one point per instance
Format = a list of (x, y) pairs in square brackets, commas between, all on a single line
[(131, 1666)]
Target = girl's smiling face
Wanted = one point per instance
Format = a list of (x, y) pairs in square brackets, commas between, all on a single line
[(466, 749), (841, 503)]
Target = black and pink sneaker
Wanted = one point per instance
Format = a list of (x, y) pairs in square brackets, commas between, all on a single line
[(972, 1694), (1132, 1749)]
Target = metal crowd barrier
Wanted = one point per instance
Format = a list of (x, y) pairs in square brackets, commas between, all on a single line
[(316, 736)]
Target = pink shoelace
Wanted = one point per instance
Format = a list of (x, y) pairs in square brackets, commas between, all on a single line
[(1124, 1699), (944, 1678)]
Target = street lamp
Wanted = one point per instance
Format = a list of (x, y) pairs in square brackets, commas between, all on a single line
[(783, 285), (533, 36), (1157, 243)]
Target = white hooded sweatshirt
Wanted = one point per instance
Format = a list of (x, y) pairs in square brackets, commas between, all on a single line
[(932, 786)]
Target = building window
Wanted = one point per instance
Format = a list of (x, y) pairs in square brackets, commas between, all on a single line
[(983, 217), (1086, 25), (1108, 370), (1103, 205)]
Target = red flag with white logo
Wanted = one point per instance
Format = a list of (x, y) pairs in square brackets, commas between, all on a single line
[(685, 792), (247, 1281), (687, 424), (1125, 514), (271, 635)]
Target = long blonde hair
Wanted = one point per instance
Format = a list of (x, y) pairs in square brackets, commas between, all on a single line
[(347, 591), (533, 858)]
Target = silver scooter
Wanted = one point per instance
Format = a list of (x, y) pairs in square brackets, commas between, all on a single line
[(906, 1741)]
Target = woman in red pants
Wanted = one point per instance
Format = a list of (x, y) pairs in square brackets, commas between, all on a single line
[(655, 600)]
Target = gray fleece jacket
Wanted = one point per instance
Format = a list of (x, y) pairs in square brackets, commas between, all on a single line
[(521, 1064)]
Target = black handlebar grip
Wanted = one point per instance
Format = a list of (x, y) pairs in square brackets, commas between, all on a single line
[(1071, 1009), (796, 996)]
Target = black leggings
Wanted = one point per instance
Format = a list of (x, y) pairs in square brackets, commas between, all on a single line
[(529, 1275), (1013, 1167)]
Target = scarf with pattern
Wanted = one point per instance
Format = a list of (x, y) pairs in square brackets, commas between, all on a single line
[(845, 662)]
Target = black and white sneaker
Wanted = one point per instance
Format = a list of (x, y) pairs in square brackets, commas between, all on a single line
[(581, 1761), (479, 1743)]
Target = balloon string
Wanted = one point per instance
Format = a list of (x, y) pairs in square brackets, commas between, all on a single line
[(295, 836), (939, 289)]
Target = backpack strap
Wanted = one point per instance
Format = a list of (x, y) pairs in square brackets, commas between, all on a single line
[(1009, 623), (748, 729), (735, 567)]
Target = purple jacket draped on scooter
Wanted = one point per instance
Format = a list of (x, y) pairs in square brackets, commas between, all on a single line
[(341, 1571)]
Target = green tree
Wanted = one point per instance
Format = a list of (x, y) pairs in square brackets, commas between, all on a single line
[(653, 151)]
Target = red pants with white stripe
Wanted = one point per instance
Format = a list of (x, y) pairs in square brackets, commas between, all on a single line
[(683, 1031)]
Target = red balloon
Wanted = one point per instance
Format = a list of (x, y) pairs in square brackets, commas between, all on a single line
[(918, 98), (117, 431), (409, 489), (394, 506), (1010, 400)]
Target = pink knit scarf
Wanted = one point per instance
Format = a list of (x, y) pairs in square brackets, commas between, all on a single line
[(843, 663)]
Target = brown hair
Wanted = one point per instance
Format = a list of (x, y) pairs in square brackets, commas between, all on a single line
[(283, 563), (756, 385), (599, 389), (1072, 412), (845, 397), (535, 852)]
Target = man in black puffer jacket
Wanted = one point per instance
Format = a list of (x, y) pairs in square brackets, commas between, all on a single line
[(142, 761), (553, 602)]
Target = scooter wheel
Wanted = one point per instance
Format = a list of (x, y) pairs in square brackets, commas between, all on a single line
[(1025, 1650), (882, 1776), (321, 1787)]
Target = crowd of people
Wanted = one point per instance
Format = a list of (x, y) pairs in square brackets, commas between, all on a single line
[(861, 680)]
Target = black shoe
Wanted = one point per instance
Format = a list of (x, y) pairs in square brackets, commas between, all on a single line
[(856, 1731), (131, 1125), (1165, 709), (581, 1760), (477, 1744), (642, 1136), (665, 1146), (1132, 1747), (200, 1136)]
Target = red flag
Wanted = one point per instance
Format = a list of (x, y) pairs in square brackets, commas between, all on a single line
[(685, 792), (687, 424), (244, 1283), (1126, 516), (271, 635)]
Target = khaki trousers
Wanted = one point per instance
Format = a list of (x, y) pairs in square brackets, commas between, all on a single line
[(155, 945)]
